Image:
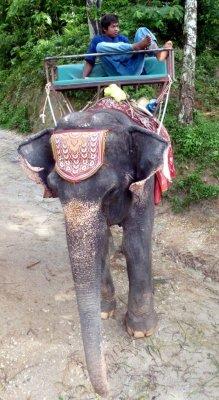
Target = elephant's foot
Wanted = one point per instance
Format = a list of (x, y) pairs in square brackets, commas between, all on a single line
[(141, 319), (141, 326), (106, 315), (107, 308)]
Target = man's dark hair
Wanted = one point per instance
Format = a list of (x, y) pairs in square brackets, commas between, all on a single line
[(107, 19)]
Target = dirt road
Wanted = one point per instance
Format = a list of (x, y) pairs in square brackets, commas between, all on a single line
[(41, 355)]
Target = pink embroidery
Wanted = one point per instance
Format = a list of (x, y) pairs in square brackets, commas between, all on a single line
[(78, 153)]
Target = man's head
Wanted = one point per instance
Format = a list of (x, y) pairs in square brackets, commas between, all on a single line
[(110, 25)]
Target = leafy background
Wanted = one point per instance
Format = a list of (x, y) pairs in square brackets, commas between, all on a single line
[(33, 29)]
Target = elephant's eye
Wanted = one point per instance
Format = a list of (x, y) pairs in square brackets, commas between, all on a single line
[(112, 194)]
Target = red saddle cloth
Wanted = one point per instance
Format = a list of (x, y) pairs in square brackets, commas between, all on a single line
[(162, 182), (78, 153)]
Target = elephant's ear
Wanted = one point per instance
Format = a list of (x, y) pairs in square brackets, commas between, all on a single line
[(149, 152), (37, 159)]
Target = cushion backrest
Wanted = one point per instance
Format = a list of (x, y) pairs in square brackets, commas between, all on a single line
[(74, 71)]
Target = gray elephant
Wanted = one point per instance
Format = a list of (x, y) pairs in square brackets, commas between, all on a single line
[(111, 196)]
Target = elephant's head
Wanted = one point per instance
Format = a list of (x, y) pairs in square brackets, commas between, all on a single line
[(131, 155)]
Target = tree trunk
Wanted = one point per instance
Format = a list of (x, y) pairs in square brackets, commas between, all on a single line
[(92, 8), (188, 70)]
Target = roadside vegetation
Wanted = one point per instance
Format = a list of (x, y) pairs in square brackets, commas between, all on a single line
[(31, 30)]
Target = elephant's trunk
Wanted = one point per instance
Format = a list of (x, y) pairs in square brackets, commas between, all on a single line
[(86, 236), (91, 333)]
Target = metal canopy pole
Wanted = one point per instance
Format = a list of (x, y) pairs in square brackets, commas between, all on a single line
[(75, 56)]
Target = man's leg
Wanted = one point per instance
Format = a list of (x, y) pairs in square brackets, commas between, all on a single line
[(122, 64), (162, 55), (113, 64), (107, 47), (141, 33)]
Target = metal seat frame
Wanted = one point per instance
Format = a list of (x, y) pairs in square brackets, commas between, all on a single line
[(51, 63)]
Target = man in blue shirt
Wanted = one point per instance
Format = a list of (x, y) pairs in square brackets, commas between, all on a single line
[(111, 41)]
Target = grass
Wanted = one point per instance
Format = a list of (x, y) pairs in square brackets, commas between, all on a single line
[(190, 189), (196, 153)]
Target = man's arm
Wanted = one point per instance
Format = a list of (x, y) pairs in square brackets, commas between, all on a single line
[(90, 60), (87, 69)]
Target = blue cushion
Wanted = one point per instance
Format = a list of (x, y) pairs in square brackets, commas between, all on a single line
[(74, 71), (154, 67)]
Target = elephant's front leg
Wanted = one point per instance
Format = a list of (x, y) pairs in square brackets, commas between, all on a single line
[(141, 318), (108, 302)]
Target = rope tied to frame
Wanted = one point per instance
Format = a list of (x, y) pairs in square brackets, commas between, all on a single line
[(48, 100), (160, 100), (165, 92)]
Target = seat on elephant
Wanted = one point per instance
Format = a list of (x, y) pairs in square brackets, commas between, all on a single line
[(70, 76), (78, 153)]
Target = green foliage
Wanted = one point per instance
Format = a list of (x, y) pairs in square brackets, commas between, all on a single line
[(199, 142), (208, 24), (29, 31), (190, 189), (164, 18), (207, 84), (147, 91), (196, 154)]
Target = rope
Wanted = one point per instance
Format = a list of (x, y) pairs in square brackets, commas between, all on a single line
[(61, 108), (167, 92), (43, 115), (91, 102), (164, 91), (67, 103), (160, 110)]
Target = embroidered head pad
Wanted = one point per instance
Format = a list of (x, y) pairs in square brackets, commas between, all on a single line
[(78, 153)]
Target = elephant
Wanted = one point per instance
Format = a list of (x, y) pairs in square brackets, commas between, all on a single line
[(120, 193)]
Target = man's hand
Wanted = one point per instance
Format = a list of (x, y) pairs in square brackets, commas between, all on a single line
[(143, 44)]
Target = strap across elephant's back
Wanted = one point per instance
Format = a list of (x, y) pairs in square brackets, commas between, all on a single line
[(137, 116), (78, 153)]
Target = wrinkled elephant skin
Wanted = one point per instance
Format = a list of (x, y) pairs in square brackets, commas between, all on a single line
[(90, 207)]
